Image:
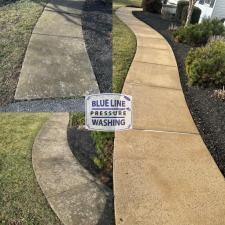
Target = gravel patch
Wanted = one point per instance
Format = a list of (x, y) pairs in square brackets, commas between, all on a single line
[(97, 29), (207, 111), (49, 105)]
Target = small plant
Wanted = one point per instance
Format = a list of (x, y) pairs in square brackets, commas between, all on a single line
[(220, 94), (173, 27), (216, 38), (104, 148), (206, 65), (77, 120), (15, 222), (199, 34)]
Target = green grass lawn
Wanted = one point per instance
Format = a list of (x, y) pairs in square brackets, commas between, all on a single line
[(118, 3), (21, 200), (17, 20), (124, 46)]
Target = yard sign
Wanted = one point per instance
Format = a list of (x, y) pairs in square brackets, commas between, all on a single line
[(108, 112)]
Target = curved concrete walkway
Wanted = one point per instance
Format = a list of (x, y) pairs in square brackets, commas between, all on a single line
[(56, 63), (75, 196), (163, 172)]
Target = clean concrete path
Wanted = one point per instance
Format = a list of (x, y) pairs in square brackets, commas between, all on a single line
[(76, 197), (163, 172), (56, 63)]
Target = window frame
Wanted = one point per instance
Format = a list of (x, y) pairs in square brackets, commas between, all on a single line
[(210, 3)]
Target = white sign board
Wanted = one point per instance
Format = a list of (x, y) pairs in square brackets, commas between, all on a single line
[(108, 112)]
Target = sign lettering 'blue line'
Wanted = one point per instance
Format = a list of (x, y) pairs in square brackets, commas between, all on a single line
[(108, 108), (107, 117)]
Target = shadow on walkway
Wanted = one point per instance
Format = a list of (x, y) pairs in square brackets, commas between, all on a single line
[(82, 147)]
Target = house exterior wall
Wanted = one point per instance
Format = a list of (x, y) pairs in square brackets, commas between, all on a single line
[(207, 11), (219, 9), (173, 2)]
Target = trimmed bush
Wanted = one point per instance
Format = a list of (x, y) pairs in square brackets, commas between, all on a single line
[(199, 34), (180, 7), (206, 65), (194, 17), (154, 6)]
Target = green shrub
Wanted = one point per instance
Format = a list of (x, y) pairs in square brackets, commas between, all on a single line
[(199, 34), (194, 17), (153, 6), (77, 119), (206, 65), (104, 148), (180, 6), (192, 34), (103, 141)]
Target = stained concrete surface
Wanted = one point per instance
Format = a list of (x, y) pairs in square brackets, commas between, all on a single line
[(72, 192), (56, 64)]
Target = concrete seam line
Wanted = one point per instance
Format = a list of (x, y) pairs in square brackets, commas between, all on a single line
[(153, 86)]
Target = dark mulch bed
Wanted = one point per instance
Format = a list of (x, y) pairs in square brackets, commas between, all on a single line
[(83, 148), (207, 111), (97, 29)]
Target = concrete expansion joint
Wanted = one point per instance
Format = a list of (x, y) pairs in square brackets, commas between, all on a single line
[(158, 38), (135, 60), (59, 36), (167, 131), (158, 48), (163, 49), (62, 12), (62, 192), (153, 86), (79, 186)]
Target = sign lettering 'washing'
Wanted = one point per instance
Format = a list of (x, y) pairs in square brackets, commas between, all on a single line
[(108, 112)]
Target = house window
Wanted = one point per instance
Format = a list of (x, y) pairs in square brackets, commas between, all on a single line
[(209, 2)]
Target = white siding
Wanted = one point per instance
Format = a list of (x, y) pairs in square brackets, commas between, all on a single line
[(206, 10), (219, 9), (173, 1)]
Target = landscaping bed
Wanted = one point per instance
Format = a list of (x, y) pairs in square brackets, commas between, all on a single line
[(94, 151), (17, 20), (97, 29), (207, 110)]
